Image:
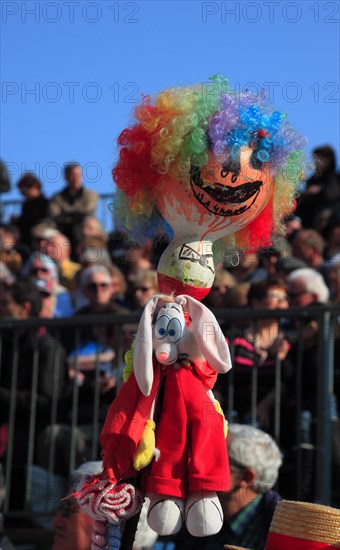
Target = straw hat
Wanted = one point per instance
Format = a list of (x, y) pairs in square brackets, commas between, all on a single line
[(313, 524), (302, 526)]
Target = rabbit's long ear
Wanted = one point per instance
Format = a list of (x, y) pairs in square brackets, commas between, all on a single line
[(208, 335), (142, 355)]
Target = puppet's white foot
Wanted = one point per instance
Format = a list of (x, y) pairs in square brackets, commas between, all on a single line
[(165, 514), (203, 514)]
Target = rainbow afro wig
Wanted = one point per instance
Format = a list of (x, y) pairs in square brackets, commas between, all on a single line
[(179, 128)]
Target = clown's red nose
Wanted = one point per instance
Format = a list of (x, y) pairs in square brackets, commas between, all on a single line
[(163, 357)]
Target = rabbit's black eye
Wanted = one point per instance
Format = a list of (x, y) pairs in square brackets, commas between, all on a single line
[(161, 327), (175, 330)]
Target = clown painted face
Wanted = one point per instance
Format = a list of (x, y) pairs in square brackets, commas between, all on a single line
[(216, 200), (222, 198)]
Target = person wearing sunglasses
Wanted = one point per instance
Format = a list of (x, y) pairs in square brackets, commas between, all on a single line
[(257, 346), (145, 286), (41, 266)]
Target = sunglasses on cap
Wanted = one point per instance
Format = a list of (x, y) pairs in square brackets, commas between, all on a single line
[(36, 270)]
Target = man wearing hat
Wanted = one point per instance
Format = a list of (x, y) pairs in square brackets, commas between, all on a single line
[(248, 507)]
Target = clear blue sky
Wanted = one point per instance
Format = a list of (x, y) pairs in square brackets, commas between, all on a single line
[(73, 70)]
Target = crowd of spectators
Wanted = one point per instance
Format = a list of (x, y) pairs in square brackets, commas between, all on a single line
[(57, 261)]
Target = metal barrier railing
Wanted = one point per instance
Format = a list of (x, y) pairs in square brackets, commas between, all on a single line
[(327, 319)]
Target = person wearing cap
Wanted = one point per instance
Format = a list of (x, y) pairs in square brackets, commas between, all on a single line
[(249, 506), (41, 266), (40, 233)]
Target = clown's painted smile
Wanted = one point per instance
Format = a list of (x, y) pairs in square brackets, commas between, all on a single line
[(213, 198)]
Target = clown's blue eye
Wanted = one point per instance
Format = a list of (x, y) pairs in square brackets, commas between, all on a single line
[(162, 331), (172, 332)]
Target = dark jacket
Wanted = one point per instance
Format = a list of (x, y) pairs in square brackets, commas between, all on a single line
[(32, 212)]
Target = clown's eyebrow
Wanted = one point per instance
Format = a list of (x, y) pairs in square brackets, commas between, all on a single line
[(176, 308)]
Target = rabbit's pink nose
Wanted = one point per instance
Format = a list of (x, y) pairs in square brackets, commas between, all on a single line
[(163, 357)]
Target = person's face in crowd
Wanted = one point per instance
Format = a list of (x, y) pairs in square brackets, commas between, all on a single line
[(216, 296), (39, 244), (303, 249), (58, 248), (91, 227), (30, 191), (144, 292), (298, 295), (333, 277), (240, 492), (334, 237), (40, 270), (293, 225), (75, 178), (136, 264), (321, 163), (300, 248), (99, 289), (276, 298), (269, 263), (249, 261), (7, 239), (10, 309), (47, 307), (73, 528), (116, 285)]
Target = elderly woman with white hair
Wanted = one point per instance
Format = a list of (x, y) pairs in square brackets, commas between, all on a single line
[(307, 286)]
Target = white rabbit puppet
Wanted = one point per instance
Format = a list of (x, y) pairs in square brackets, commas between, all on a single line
[(176, 361), (193, 463)]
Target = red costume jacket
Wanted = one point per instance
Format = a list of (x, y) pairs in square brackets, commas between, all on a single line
[(189, 433)]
